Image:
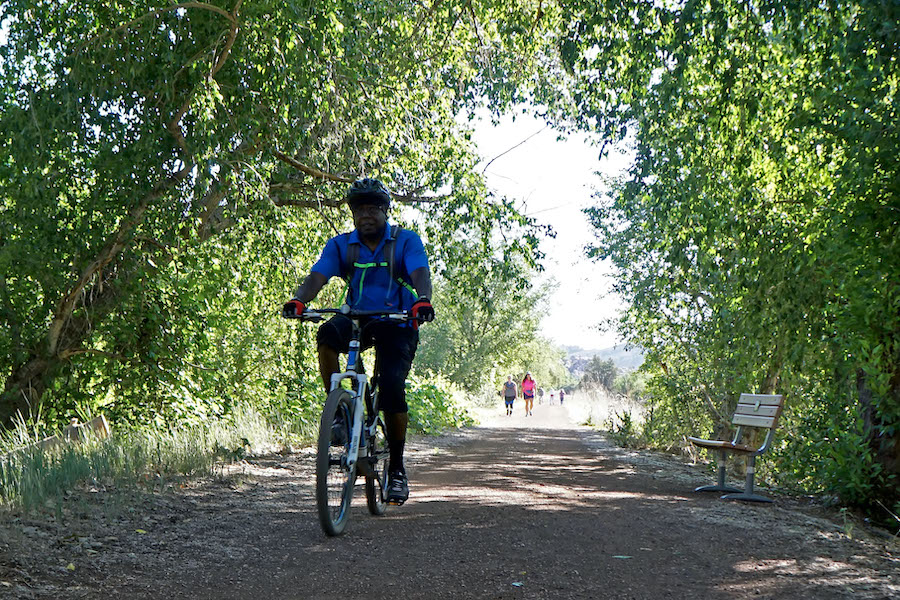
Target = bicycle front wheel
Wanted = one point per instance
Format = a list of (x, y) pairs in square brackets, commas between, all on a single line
[(334, 477), (376, 494)]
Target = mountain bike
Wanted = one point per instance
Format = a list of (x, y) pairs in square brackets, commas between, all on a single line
[(352, 437)]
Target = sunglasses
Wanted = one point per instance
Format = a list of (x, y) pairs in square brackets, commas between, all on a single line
[(369, 210)]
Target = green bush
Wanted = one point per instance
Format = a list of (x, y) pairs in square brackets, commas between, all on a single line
[(433, 408), (623, 429)]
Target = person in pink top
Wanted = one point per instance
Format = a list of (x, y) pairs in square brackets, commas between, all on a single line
[(528, 387)]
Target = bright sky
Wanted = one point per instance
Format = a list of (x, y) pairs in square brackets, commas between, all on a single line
[(554, 180)]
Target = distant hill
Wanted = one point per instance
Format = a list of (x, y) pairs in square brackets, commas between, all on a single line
[(625, 360)]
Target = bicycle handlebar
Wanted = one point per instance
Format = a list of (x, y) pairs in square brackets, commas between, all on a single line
[(318, 314)]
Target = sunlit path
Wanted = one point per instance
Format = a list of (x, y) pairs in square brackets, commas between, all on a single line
[(518, 507)]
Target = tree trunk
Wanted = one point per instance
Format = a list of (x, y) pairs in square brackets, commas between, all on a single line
[(90, 299), (25, 387)]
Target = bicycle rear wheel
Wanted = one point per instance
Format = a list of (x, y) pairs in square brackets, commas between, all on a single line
[(334, 478), (376, 496)]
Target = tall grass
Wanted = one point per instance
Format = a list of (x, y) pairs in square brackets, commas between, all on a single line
[(597, 407), (33, 479)]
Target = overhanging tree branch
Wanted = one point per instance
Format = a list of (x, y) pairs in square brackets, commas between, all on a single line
[(159, 11), (114, 246), (311, 171), (300, 188)]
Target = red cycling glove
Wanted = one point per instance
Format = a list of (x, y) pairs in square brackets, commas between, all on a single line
[(421, 311), (293, 308)]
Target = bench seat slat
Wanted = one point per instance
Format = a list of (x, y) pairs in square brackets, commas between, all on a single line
[(721, 445)]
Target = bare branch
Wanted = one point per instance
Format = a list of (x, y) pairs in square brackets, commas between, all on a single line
[(66, 354), (294, 188), (537, 16), (306, 202), (513, 148), (159, 11), (411, 199), (427, 15), (475, 25), (311, 171), (211, 207), (153, 242), (232, 36), (448, 34), (277, 193), (200, 367)]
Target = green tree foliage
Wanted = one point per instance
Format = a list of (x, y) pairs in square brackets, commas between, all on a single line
[(631, 384), (756, 235), (599, 373), (169, 172), (488, 329), (483, 327), (544, 360)]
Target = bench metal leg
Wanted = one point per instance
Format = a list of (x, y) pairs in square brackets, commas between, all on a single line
[(747, 493), (720, 485)]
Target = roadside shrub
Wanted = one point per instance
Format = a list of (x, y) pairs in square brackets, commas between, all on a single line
[(433, 407)]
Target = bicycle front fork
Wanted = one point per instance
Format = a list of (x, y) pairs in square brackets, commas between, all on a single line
[(358, 435)]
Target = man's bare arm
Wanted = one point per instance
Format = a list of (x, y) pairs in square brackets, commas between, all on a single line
[(421, 280), (310, 287)]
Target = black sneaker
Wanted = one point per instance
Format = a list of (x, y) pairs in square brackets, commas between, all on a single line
[(398, 488)]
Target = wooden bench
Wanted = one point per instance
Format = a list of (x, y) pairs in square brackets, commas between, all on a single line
[(758, 411)]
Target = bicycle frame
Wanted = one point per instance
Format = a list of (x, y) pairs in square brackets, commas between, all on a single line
[(353, 372), (364, 451), (362, 385)]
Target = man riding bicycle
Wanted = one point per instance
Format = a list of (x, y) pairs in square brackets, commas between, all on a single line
[(386, 269)]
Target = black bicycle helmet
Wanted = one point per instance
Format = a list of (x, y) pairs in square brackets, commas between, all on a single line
[(368, 191)]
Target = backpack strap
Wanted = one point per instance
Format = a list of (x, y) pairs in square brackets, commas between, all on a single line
[(388, 251), (352, 263), (389, 258), (349, 266)]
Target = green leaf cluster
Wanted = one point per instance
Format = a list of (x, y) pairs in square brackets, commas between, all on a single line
[(487, 328), (433, 409), (756, 235), (169, 172)]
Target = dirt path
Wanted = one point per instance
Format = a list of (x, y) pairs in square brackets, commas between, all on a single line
[(534, 508)]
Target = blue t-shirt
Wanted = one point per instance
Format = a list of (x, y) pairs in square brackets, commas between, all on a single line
[(372, 288)]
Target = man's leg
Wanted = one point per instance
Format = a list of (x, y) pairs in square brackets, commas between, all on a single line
[(396, 425), (328, 365), (395, 348), (333, 338)]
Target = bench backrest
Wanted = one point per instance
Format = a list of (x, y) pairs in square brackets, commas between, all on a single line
[(758, 410)]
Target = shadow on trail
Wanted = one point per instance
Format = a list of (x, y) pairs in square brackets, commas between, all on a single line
[(505, 513)]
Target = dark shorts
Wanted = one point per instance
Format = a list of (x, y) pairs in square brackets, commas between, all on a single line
[(528, 395), (509, 401), (395, 348)]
